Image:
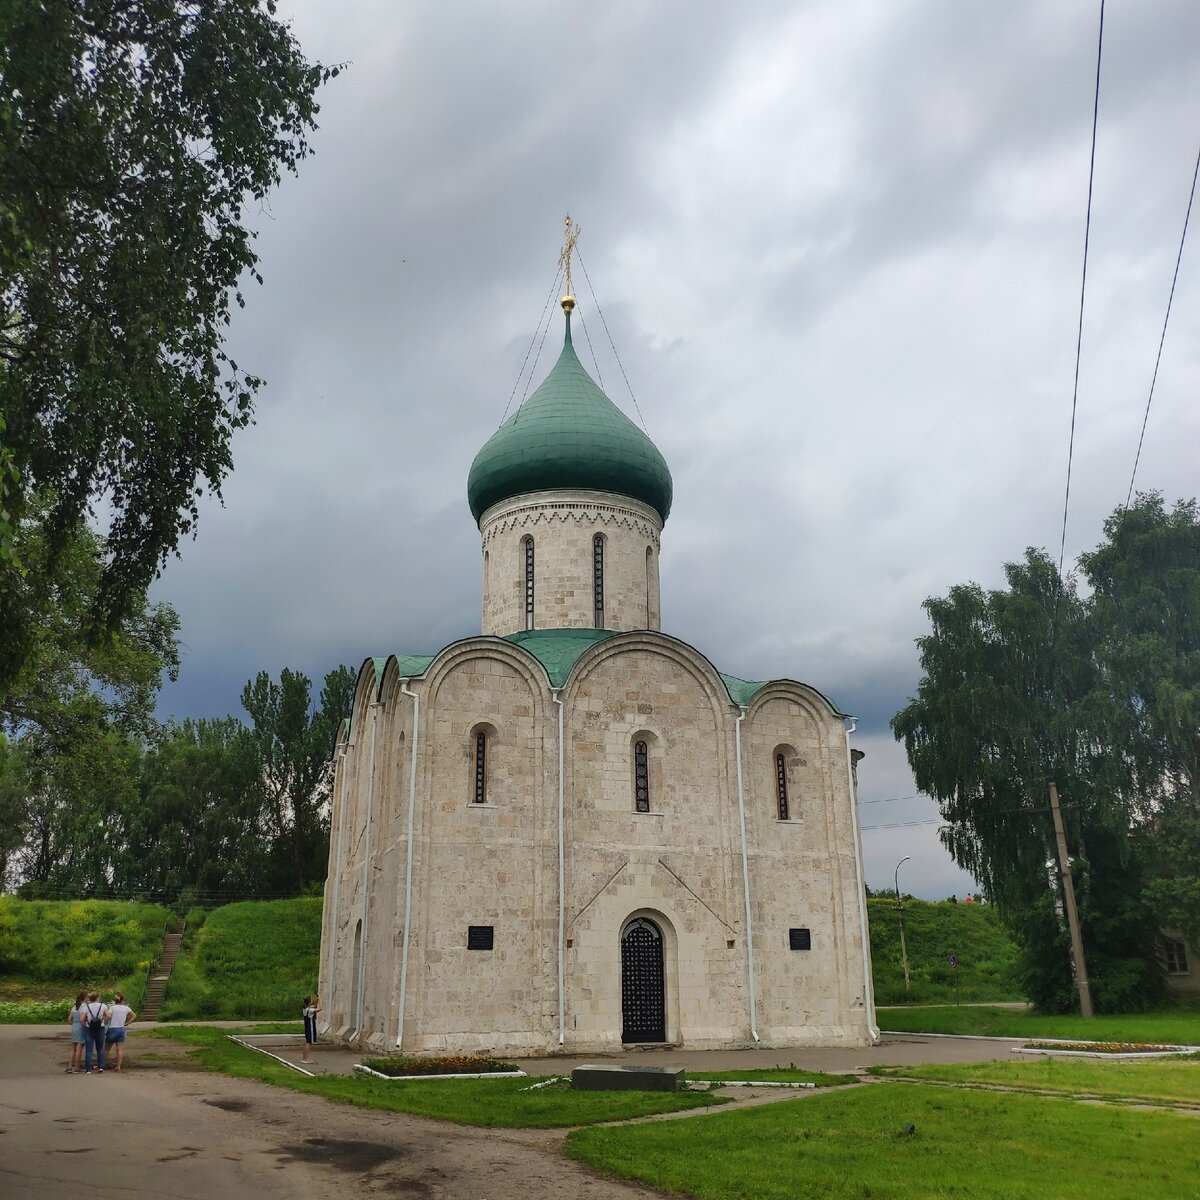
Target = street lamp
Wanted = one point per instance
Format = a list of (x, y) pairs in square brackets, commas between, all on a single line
[(900, 910)]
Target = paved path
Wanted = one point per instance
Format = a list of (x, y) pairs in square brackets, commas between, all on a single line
[(160, 1129)]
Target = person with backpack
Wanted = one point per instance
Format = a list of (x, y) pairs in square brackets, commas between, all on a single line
[(120, 1014), (95, 1013)]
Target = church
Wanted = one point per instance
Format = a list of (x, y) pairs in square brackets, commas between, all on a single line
[(573, 832)]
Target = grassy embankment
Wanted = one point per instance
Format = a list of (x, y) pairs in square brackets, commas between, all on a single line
[(251, 961), (933, 931), (50, 949)]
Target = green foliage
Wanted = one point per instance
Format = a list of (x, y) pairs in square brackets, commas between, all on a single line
[(1178, 1024), (852, 1144), (1031, 684), (401, 1065), (495, 1103), (987, 955), (249, 960), (131, 135), (82, 942), (35, 1012)]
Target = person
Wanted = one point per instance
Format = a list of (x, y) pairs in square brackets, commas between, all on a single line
[(312, 1006), (120, 1015), (74, 1019), (95, 1013)]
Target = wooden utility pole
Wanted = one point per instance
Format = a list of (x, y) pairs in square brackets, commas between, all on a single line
[(1064, 863)]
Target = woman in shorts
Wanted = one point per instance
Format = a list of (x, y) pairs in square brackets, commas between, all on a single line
[(78, 1037), (120, 1014)]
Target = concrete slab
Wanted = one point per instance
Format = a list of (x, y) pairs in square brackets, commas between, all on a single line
[(608, 1077)]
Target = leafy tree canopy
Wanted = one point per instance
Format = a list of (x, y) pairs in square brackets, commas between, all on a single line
[(1101, 694), (132, 132)]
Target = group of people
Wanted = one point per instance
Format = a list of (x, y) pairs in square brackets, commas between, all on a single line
[(95, 1026)]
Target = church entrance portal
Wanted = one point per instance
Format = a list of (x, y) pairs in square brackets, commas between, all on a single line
[(643, 993)]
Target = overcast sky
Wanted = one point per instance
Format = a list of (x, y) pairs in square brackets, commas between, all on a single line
[(838, 246)]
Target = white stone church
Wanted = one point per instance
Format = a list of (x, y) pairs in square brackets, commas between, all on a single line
[(573, 832)]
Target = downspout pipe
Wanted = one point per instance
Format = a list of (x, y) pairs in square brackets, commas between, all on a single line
[(343, 770), (555, 695), (741, 791), (366, 901), (408, 853), (868, 980)]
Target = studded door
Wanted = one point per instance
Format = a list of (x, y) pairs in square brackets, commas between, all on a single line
[(643, 995)]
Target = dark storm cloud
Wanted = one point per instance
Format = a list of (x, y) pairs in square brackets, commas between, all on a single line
[(837, 246)]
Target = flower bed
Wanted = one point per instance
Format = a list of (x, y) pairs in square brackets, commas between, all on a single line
[(405, 1066), (1103, 1049)]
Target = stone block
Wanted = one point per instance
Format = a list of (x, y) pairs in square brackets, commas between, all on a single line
[(627, 1079)]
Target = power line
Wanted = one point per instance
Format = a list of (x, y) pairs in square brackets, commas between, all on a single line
[(1087, 232), (1163, 335)]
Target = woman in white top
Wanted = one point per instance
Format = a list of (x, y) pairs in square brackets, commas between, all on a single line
[(92, 1016), (120, 1014)]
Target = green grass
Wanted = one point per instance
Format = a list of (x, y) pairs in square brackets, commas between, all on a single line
[(967, 1145), (777, 1075), (1175, 1080), (500, 1103), (255, 960), (932, 932), (50, 949), (1176, 1025)]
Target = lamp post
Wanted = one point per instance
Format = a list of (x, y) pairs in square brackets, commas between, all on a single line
[(900, 910)]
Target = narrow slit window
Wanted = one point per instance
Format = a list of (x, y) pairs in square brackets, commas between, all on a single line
[(480, 795), (527, 548), (641, 777), (598, 578), (781, 786)]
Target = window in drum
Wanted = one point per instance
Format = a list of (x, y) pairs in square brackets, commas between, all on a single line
[(527, 549), (480, 793), (598, 578), (641, 777), (781, 786)]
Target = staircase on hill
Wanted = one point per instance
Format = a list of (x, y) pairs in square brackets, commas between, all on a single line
[(160, 974)]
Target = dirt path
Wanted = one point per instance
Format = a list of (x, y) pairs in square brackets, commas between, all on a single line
[(158, 1129)]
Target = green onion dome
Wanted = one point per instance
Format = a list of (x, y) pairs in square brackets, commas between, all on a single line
[(569, 434)]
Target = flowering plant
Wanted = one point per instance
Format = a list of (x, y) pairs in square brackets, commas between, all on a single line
[(445, 1064)]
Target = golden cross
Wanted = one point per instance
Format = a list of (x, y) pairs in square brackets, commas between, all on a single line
[(571, 233)]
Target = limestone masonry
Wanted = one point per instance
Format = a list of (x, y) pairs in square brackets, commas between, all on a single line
[(572, 831)]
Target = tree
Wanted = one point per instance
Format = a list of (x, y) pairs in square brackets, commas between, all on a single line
[(294, 743), (132, 132), (1013, 696), (1146, 620)]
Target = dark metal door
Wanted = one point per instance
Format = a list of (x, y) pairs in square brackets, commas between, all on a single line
[(643, 994)]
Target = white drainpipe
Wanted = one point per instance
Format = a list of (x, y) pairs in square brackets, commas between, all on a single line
[(337, 877), (366, 902), (562, 877), (408, 854), (737, 732), (868, 982)]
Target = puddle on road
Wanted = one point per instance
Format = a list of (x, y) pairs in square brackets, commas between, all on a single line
[(230, 1105), (344, 1155)]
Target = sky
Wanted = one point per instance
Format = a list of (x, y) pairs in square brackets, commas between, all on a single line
[(838, 249)]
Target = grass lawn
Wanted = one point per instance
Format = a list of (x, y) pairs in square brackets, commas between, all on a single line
[(967, 1145), (1175, 1025), (493, 1102), (777, 1075), (1171, 1079)]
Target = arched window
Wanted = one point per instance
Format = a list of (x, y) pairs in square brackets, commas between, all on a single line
[(527, 555), (598, 578), (641, 777), (781, 785), (479, 753)]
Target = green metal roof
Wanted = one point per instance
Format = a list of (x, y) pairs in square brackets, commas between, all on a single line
[(741, 691), (569, 434)]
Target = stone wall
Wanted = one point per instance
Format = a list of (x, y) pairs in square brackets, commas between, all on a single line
[(563, 526)]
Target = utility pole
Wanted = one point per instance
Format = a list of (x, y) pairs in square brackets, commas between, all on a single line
[(1064, 863), (900, 910)]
